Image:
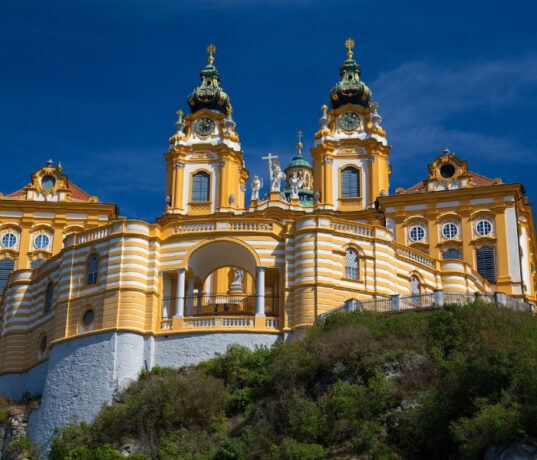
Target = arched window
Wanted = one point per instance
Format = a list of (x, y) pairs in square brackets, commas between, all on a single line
[(350, 182), (48, 297), (6, 267), (485, 263), (451, 254), (200, 186), (351, 264), (93, 268)]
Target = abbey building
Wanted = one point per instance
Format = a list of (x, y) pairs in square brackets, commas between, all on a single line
[(89, 299)]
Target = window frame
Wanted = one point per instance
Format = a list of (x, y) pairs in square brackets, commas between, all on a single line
[(358, 172), (200, 173), (483, 271), (484, 221), (415, 227), (451, 225), (9, 233), (352, 272), (92, 273)]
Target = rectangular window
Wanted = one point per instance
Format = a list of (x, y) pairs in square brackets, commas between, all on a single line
[(350, 183), (200, 187), (485, 263)]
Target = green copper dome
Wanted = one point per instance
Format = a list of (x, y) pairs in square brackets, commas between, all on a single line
[(209, 95), (350, 90), (297, 161)]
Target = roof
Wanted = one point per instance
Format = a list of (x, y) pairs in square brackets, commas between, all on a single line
[(77, 193), (477, 179)]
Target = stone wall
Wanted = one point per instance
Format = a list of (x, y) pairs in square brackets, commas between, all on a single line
[(83, 374)]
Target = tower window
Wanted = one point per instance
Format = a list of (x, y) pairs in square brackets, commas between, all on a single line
[(93, 268), (351, 264), (6, 267), (485, 263), (200, 186), (451, 254), (48, 297), (350, 182)]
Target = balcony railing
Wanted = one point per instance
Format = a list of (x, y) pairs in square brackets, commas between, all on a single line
[(220, 304)]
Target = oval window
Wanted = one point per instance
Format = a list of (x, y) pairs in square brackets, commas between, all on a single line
[(41, 241), (483, 228), (48, 182), (417, 233), (9, 240), (449, 231), (87, 319), (447, 170)]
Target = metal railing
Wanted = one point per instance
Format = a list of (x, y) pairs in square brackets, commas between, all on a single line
[(214, 304), (397, 303)]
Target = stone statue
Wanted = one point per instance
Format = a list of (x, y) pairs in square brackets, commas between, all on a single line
[(257, 183), (276, 176), (295, 183), (238, 275)]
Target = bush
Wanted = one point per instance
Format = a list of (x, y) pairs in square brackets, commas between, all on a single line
[(290, 449)]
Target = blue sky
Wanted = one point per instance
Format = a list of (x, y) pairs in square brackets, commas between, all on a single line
[(96, 84)]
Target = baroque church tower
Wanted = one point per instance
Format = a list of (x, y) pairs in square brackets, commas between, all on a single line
[(205, 170), (350, 153)]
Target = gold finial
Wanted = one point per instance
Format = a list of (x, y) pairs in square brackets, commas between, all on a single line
[(211, 49), (324, 108), (349, 43), (179, 113), (299, 145), (375, 106)]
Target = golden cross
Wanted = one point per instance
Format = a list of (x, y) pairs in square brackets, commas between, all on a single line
[(211, 49), (349, 43), (300, 136)]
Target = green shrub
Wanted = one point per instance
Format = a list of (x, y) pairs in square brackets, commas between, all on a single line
[(23, 447), (492, 423), (290, 449)]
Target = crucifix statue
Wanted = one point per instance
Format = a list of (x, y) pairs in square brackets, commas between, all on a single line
[(275, 172)]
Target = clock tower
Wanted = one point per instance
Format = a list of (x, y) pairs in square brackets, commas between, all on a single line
[(350, 153), (205, 170)]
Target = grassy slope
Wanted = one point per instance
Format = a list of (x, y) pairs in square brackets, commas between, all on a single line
[(417, 385)]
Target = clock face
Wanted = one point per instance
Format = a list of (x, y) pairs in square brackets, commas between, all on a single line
[(349, 121), (204, 126)]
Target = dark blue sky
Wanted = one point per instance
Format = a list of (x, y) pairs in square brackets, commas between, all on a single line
[(96, 84)]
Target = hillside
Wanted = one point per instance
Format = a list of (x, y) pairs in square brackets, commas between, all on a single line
[(443, 384)]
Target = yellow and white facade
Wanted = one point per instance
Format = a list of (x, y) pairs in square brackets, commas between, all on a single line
[(216, 268)]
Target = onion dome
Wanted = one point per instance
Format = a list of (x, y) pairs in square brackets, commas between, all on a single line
[(350, 90), (209, 95)]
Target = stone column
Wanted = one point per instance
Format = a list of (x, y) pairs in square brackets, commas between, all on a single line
[(200, 300), (438, 297), (395, 302), (180, 299), (260, 291), (190, 297)]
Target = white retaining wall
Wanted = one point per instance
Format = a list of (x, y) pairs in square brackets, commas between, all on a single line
[(83, 374)]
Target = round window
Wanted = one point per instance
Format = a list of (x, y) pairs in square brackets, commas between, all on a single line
[(48, 181), (41, 241), (417, 233), (9, 240), (44, 343), (87, 319), (447, 170), (449, 231), (483, 228)]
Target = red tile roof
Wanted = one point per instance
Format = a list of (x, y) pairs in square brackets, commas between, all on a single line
[(477, 179), (76, 193)]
